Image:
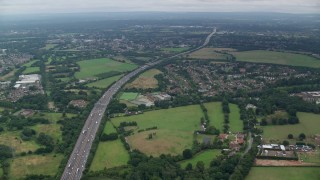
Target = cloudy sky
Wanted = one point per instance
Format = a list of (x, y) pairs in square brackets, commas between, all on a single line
[(59, 6)]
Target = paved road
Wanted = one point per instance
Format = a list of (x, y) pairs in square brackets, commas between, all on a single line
[(78, 158)]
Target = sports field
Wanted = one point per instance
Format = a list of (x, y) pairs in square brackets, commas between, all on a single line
[(236, 125), (49, 46), (34, 164), (31, 70), (175, 128), (284, 173), (129, 96), (207, 53), (215, 114), (104, 83), (94, 67), (260, 56), (109, 154), (146, 80), (309, 124), (206, 157)]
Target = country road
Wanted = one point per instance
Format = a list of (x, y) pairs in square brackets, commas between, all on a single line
[(78, 158)]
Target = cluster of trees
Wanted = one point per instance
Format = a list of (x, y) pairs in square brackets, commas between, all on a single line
[(19, 122), (27, 134), (46, 141), (226, 111), (109, 137), (38, 102)]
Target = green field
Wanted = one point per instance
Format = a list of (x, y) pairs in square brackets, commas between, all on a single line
[(34, 164), (31, 70), (104, 83), (146, 80), (28, 64), (260, 56), (177, 50), (128, 96), (207, 53), (93, 67), (175, 128), (109, 154), (309, 124), (236, 125), (12, 139), (284, 173), (206, 157), (215, 114)]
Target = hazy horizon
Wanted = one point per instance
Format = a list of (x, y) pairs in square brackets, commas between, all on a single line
[(13, 7)]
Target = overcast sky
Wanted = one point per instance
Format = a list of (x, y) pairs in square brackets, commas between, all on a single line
[(69, 6)]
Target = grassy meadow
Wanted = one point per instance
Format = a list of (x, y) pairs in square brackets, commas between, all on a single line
[(146, 80), (92, 68), (236, 125), (284, 173), (309, 124), (104, 83), (174, 133), (260, 56), (207, 53), (34, 164), (206, 157), (110, 153), (215, 114)]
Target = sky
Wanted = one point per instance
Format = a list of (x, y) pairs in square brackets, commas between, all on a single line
[(76, 6)]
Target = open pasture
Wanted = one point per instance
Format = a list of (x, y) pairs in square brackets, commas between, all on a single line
[(284, 173), (174, 133), (260, 56), (93, 67)]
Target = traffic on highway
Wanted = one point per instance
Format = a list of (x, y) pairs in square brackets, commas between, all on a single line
[(78, 158)]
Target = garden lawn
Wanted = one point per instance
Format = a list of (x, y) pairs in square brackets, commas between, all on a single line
[(34, 164), (260, 56), (174, 133), (309, 125), (215, 114), (236, 125), (104, 83), (92, 68), (206, 157), (284, 173)]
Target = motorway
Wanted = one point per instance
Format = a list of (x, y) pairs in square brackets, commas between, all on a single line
[(78, 158)]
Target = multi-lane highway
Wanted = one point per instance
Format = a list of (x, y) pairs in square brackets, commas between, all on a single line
[(78, 158)]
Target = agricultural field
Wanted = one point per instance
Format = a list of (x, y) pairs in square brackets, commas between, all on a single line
[(260, 56), (110, 153), (208, 53), (206, 157), (31, 70), (129, 96), (215, 114), (236, 125), (34, 164), (283, 173), (309, 124), (104, 83), (92, 68), (146, 80), (174, 133), (177, 50)]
